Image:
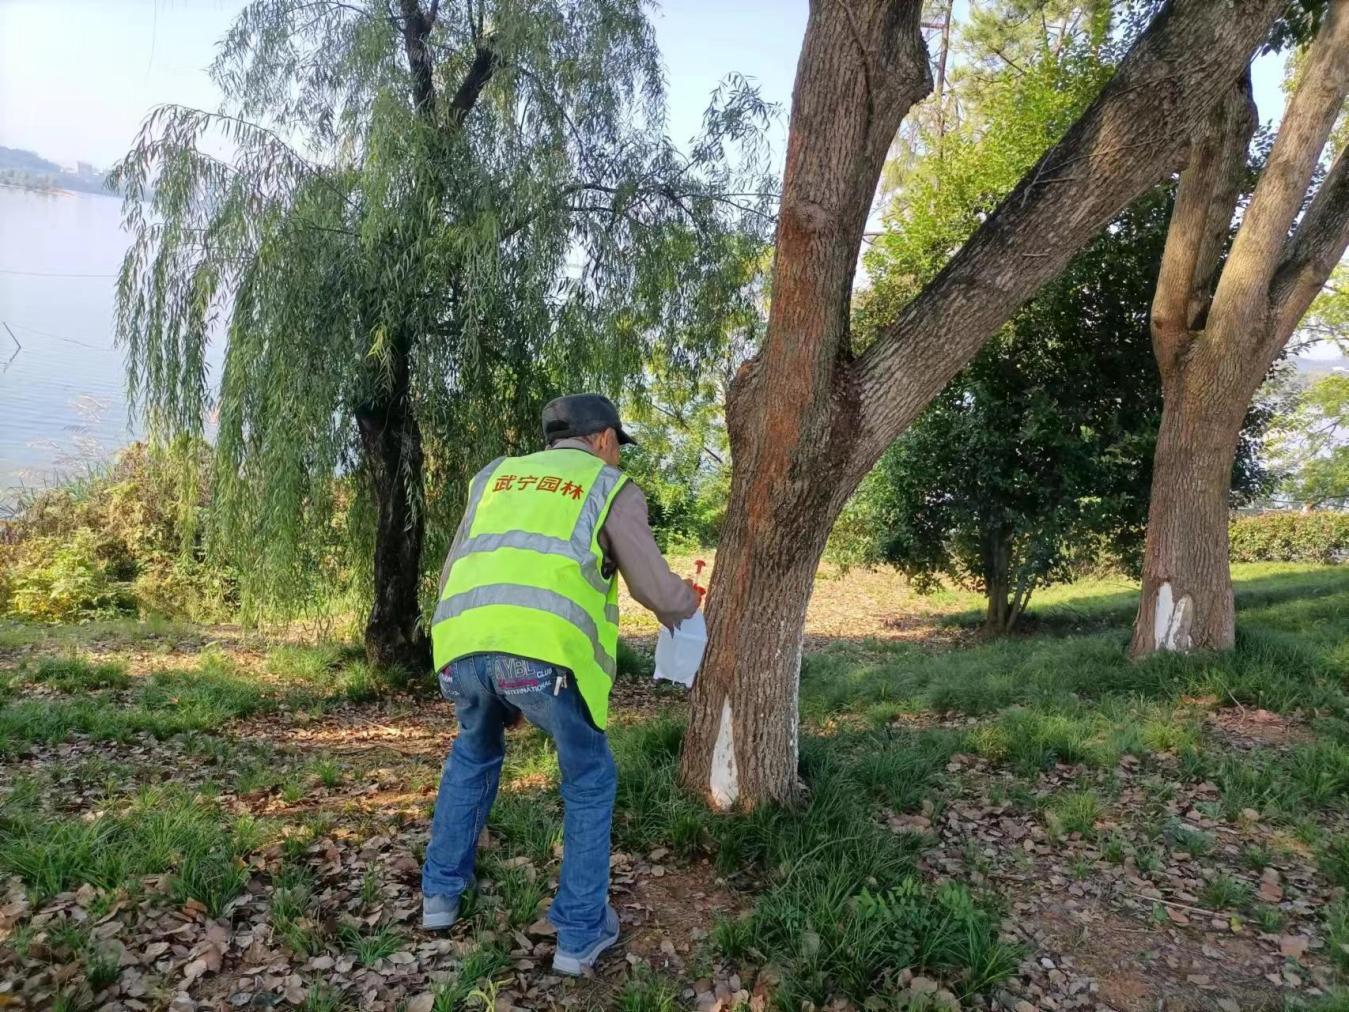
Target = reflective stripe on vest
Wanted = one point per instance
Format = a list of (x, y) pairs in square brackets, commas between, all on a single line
[(549, 601)]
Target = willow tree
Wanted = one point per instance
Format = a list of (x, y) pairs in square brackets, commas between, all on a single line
[(426, 220), (1220, 321), (810, 414)]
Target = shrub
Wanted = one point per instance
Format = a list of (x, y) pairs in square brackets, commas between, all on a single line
[(120, 541), (1278, 536), (61, 577)]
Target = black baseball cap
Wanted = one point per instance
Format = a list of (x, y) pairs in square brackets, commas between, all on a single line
[(581, 415)]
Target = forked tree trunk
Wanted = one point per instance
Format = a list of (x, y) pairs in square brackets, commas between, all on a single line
[(862, 65), (391, 442), (391, 438), (1216, 331), (807, 418)]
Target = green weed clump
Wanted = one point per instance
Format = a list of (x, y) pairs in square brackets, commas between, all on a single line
[(646, 991), (121, 541), (1076, 812)]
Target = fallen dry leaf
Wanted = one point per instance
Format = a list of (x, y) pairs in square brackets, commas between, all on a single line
[(1293, 946)]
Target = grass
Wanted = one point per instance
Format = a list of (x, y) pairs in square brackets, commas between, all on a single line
[(1075, 812), (476, 972), (1225, 892), (106, 704), (646, 991), (161, 830), (75, 674), (293, 911), (369, 947), (836, 900)]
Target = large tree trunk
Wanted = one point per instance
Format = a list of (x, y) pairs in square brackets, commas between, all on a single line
[(807, 419), (1217, 330), (862, 66), (391, 442), (1187, 593), (391, 439)]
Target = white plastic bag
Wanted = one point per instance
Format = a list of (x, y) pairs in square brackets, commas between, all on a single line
[(679, 654)]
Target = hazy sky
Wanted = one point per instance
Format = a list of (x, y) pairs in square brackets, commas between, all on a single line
[(77, 76)]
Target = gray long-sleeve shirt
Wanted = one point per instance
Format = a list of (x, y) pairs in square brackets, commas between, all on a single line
[(630, 548)]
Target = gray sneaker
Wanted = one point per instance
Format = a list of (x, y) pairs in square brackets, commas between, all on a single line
[(439, 912), (574, 964)]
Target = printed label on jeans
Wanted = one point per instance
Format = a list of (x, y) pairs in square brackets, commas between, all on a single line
[(517, 676), (446, 678)]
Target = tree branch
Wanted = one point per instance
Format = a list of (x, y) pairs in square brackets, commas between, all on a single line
[(485, 64), (1312, 253), (1200, 221), (416, 28), (1126, 142), (1244, 289)]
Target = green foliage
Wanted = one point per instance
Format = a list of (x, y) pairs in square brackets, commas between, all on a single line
[(1225, 892), (1021, 472), (434, 258), (647, 992), (1285, 536), (1309, 444), (369, 947), (165, 703), (122, 541), (634, 663), (477, 969)]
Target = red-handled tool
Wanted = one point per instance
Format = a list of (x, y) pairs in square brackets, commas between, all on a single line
[(698, 566)]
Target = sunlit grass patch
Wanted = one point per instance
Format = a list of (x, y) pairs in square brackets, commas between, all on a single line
[(112, 633), (164, 703)]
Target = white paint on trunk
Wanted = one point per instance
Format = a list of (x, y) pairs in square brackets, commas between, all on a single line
[(1171, 620), (723, 784)]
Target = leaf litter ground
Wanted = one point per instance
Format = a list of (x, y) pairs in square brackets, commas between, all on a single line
[(1161, 873)]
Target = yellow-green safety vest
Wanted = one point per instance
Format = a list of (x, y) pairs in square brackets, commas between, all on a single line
[(525, 571)]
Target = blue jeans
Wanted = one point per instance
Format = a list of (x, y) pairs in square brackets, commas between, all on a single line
[(489, 692)]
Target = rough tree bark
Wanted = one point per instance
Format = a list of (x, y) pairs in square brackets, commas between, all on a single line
[(391, 440), (806, 418), (391, 444), (1216, 332)]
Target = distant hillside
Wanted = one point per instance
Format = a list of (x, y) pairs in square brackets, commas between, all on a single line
[(1314, 367), (31, 171)]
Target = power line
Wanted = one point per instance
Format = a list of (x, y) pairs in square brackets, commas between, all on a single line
[(58, 337), (49, 274)]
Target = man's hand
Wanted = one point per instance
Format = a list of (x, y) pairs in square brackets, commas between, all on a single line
[(688, 582)]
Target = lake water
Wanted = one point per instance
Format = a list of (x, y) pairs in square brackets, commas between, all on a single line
[(62, 386)]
